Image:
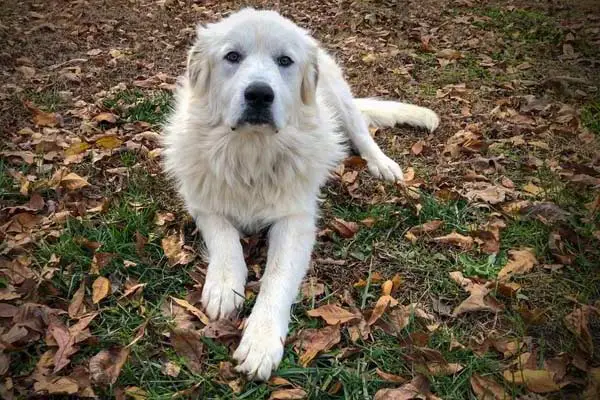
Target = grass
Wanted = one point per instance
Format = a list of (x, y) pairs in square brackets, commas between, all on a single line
[(135, 105), (590, 116)]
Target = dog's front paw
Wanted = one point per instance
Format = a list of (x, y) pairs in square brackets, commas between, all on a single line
[(383, 167), (261, 347), (223, 291)]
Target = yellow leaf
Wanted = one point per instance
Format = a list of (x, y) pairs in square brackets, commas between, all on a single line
[(532, 189), (109, 142), (380, 307), (386, 288), (76, 148), (100, 289)]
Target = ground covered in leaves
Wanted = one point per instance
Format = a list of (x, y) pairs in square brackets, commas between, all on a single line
[(478, 278)]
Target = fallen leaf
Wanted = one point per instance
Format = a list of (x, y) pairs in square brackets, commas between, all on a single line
[(188, 344), (194, 310), (174, 250), (488, 389), (532, 189), (592, 391), (100, 289), (105, 117), (456, 239), (578, 323), (99, 261), (65, 342), (109, 142), (42, 118), (417, 388), (478, 299), (136, 393), (536, 380), (76, 148), (345, 229), (389, 377), (311, 288), (170, 369), (105, 366), (443, 369), (417, 148), (521, 262), (162, 218), (72, 181), (288, 394), (313, 341), (382, 304), (333, 314), (449, 54), (131, 289), (58, 385), (426, 228), (355, 162)]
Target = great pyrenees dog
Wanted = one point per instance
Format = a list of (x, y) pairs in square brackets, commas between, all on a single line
[(262, 117)]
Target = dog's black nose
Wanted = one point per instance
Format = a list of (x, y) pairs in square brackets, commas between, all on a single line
[(259, 94)]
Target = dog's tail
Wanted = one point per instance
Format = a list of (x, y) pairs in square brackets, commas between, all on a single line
[(381, 113)]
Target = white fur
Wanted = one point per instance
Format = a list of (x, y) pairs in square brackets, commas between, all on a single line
[(237, 178)]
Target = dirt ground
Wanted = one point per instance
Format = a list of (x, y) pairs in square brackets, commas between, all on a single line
[(490, 247)]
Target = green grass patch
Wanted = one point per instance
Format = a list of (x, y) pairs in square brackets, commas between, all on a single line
[(522, 25), (590, 116), (135, 105)]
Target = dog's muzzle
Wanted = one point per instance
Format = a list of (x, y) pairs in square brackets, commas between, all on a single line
[(259, 98)]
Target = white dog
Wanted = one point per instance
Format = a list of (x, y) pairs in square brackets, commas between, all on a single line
[(260, 121)]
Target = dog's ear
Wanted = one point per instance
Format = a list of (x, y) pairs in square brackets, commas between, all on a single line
[(310, 78), (198, 66)]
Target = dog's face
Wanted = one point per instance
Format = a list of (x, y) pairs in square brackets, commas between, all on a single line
[(254, 70)]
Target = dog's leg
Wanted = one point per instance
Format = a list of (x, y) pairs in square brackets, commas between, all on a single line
[(291, 241), (223, 291)]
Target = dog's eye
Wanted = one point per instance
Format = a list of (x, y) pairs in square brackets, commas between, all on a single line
[(233, 57), (285, 61)]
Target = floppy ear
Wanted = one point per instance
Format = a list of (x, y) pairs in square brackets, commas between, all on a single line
[(308, 88), (198, 66)]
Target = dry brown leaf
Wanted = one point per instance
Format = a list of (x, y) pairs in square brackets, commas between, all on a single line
[(311, 288), (313, 341), (592, 391), (57, 385), (106, 117), (382, 304), (417, 388), (417, 148), (170, 369), (345, 229), (288, 394), (174, 250), (76, 148), (72, 181), (99, 261), (188, 344), (333, 314), (488, 389), (105, 366), (578, 323), (100, 289), (521, 262), (279, 381), (443, 369), (194, 310), (390, 377), (355, 162), (42, 118), (449, 54), (428, 227), (536, 380), (456, 239), (65, 342), (478, 299)]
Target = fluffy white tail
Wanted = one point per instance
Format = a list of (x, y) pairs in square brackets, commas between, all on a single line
[(389, 113)]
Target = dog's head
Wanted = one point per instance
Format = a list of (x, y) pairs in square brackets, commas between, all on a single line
[(254, 70)]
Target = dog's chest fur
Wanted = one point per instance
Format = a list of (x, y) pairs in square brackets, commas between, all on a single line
[(251, 178)]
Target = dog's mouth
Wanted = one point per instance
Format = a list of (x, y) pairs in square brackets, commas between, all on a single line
[(256, 118)]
